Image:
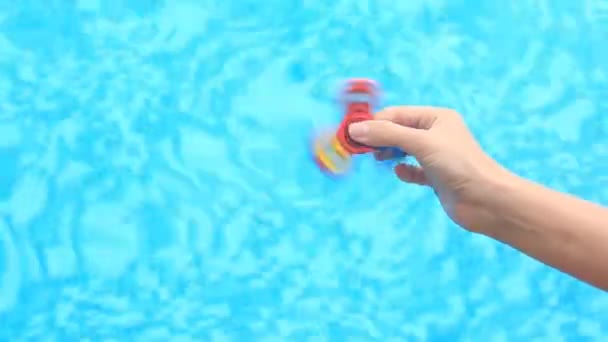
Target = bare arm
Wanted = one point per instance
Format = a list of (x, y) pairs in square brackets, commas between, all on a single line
[(557, 229), (562, 231)]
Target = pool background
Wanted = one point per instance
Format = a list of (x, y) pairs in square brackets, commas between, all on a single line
[(155, 182)]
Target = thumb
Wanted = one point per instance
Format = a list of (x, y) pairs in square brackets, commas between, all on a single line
[(382, 133)]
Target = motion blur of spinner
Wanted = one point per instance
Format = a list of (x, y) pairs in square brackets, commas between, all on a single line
[(156, 181)]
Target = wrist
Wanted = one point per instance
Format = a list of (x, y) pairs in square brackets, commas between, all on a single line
[(484, 211)]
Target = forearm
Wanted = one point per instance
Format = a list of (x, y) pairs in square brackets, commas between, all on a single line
[(557, 229)]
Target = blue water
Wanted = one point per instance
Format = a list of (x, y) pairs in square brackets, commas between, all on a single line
[(156, 183)]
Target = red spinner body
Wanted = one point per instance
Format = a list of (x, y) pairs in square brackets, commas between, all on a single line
[(333, 154), (359, 97)]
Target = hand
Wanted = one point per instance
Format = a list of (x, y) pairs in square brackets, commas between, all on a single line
[(451, 161)]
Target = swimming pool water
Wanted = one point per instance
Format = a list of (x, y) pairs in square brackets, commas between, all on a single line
[(156, 183)]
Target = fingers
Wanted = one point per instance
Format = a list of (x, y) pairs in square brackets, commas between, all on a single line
[(382, 133), (411, 116), (411, 174)]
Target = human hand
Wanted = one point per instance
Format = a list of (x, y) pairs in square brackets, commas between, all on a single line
[(451, 161)]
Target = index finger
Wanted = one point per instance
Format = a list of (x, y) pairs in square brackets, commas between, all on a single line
[(421, 117)]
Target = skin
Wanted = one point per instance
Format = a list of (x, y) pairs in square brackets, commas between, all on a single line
[(560, 230)]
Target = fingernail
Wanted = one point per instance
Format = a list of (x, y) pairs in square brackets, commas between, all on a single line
[(358, 131)]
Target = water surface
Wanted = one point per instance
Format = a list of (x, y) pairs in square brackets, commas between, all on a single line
[(156, 183)]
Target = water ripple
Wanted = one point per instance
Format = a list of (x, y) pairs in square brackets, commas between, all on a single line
[(156, 182)]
